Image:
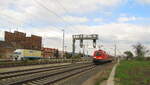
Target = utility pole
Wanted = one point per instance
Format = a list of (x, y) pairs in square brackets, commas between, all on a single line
[(63, 43), (115, 50), (87, 53), (65, 49), (87, 49), (83, 50)]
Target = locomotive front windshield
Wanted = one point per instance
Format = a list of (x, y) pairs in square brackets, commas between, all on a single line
[(97, 54)]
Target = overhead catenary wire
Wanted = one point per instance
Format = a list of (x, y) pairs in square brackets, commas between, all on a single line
[(12, 19), (50, 11), (44, 7), (54, 13), (62, 6), (47, 10), (65, 9)]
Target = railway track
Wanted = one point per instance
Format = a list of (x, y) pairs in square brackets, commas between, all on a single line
[(25, 64), (10, 63), (4, 75), (42, 76)]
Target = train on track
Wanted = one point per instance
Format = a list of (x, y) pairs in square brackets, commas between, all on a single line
[(25, 54), (100, 56)]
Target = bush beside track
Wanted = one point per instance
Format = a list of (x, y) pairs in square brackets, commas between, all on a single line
[(38, 62), (133, 72)]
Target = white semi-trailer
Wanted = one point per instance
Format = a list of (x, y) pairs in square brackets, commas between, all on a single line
[(25, 54)]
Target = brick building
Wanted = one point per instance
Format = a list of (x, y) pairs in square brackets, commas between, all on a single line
[(20, 41), (50, 53), (6, 50)]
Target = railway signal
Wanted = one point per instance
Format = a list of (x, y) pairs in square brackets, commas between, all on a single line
[(82, 37)]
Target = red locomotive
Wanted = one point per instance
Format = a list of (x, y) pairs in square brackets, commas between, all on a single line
[(100, 56)]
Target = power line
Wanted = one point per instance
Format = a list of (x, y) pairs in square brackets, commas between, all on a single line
[(53, 12), (63, 42), (50, 11), (9, 21), (62, 6), (40, 19), (65, 10), (12, 19), (43, 6)]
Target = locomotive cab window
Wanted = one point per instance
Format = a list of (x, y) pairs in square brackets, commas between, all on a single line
[(97, 54)]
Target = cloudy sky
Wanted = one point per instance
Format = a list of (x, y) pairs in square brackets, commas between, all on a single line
[(124, 22)]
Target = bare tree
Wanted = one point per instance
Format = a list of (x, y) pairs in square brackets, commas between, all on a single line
[(140, 50), (128, 54)]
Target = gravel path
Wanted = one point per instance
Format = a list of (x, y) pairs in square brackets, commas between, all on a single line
[(110, 80)]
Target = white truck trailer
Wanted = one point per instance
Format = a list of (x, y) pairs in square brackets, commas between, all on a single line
[(25, 54)]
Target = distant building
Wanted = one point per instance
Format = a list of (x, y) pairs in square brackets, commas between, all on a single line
[(50, 53), (20, 41), (6, 50)]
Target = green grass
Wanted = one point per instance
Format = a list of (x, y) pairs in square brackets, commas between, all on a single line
[(99, 81), (133, 72)]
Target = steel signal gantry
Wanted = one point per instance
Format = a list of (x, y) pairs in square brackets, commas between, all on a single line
[(82, 37)]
